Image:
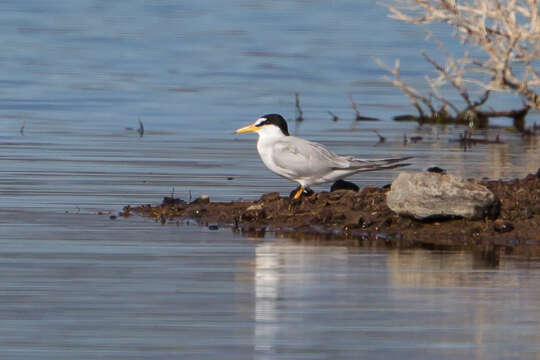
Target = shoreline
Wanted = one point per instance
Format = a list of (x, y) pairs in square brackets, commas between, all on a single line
[(362, 218)]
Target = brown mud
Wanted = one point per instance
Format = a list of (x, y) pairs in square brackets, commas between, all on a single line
[(362, 218)]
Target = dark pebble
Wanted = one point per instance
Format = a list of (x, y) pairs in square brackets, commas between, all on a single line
[(204, 199), (436, 169), (344, 185), (365, 223), (112, 217), (502, 226), (213, 227), (339, 217)]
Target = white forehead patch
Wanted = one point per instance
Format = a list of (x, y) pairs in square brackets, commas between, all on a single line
[(259, 121)]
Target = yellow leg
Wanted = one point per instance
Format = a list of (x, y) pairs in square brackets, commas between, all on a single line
[(299, 192)]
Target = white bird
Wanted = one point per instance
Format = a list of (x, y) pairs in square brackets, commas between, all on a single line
[(306, 162)]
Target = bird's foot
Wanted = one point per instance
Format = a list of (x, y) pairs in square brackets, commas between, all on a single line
[(299, 191)]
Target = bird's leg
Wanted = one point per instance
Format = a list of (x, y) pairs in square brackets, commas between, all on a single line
[(299, 192)]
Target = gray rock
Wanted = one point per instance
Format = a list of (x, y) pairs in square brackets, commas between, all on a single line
[(425, 195)]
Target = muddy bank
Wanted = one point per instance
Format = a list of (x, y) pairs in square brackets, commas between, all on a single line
[(363, 218)]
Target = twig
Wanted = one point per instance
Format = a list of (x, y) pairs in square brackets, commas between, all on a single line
[(381, 138), (354, 106), (140, 130), (299, 112), (335, 118), (21, 131)]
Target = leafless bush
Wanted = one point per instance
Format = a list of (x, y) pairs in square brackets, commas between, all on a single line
[(505, 37)]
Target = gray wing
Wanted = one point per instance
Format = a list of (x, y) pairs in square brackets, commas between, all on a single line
[(302, 158)]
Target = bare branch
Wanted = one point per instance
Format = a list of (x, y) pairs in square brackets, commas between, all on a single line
[(414, 95), (507, 33)]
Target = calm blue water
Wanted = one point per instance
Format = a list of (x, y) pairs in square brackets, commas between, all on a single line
[(79, 74)]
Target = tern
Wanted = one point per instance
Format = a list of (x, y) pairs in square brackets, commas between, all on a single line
[(303, 161)]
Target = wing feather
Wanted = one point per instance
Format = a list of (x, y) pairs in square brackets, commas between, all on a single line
[(298, 158), (302, 158)]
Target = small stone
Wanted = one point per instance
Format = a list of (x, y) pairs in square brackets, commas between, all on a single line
[(203, 199), (213, 227), (112, 217), (255, 207), (502, 226), (254, 212)]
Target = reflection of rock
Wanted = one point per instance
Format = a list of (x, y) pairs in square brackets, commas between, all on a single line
[(431, 195), (423, 268)]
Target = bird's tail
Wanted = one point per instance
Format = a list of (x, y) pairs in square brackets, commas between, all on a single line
[(372, 165)]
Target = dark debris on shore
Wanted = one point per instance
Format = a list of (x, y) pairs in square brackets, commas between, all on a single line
[(363, 218)]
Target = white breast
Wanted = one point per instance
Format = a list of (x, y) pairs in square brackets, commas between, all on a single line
[(265, 147)]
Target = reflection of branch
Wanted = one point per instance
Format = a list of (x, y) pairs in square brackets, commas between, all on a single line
[(335, 118), (21, 131), (140, 130)]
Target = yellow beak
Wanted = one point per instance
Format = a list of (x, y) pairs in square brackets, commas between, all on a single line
[(246, 129)]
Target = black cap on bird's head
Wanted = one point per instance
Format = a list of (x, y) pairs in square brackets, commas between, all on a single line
[(269, 119), (273, 119)]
